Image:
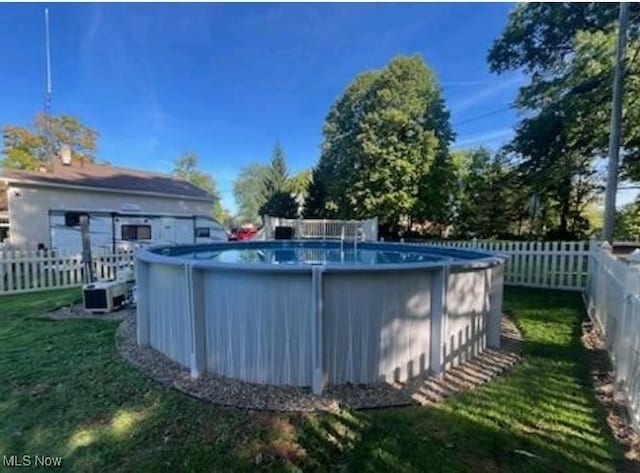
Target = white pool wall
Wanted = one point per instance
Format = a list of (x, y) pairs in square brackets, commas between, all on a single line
[(315, 325)]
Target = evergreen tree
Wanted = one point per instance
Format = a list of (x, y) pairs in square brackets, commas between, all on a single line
[(278, 198)]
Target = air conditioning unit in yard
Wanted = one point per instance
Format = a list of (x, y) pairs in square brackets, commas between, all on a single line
[(105, 296)]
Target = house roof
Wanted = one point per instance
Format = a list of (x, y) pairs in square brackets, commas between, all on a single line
[(102, 176)]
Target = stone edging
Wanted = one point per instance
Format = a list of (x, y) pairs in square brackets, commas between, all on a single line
[(231, 392)]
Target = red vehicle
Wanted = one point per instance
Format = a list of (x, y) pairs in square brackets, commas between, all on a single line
[(244, 233)]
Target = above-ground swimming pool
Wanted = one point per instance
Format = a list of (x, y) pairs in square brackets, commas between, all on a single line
[(308, 313)]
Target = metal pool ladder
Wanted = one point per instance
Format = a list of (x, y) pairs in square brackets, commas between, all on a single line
[(356, 238)]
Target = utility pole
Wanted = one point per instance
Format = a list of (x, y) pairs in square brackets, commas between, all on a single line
[(616, 125)]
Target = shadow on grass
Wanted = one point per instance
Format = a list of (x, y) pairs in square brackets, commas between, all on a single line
[(542, 416), (67, 392)]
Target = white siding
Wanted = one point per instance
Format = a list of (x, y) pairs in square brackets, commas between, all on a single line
[(29, 208), (69, 238), (216, 230)]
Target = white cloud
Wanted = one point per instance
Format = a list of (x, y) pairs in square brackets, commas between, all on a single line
[(482, 95), (459, 83), (487, 138)]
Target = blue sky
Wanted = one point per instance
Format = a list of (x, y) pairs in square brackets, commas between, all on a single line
[(227, 81)]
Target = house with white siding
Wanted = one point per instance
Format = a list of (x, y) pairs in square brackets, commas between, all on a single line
[(125, 206)]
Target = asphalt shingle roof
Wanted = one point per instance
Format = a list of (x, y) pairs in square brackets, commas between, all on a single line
[(102, 176)]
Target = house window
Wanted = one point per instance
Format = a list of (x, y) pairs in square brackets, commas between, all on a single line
[(136, 232), (72, 219), (203, 232)]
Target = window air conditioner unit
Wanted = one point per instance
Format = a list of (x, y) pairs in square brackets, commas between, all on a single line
[(104, 296)]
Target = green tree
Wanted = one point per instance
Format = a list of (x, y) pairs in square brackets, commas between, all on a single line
[(277, 176), (489, 203), (435, 201), (594, 213), (627, 224), (299, 183), (567, 51), (381, 141), (222, 215), (280, 204), (557, 169), (262, 189), (22, 149), (186, 167), (279, 196), (317, 203), (250, 193), (30, 148)]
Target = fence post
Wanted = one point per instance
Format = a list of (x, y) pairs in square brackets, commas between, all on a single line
[(593, 247), (603, 259)]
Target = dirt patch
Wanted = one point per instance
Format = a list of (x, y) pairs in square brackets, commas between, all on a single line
[(422, 390), (279, 442), (610, 397), (77, 311)]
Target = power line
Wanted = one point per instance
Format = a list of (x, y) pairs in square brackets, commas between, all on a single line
[(484, 115)]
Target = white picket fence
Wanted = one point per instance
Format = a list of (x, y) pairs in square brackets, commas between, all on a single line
[(557, 265), (324, 229), (27, 271), (543, 264), (612, 298)]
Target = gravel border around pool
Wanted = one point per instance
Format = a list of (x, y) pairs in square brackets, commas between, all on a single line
[(232, 392)]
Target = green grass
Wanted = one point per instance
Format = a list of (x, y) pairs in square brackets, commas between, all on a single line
[(65, 391)]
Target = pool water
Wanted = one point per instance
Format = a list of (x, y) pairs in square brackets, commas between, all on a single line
[(315, 255), (292, 253)]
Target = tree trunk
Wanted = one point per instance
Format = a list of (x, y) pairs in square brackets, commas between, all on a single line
[(565, 208)]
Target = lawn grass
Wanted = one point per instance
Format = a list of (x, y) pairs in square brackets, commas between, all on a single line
[(65, 391)]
